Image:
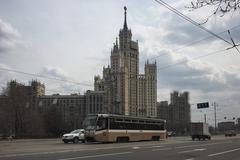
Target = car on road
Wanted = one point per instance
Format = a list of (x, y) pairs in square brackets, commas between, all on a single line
[(74, 136), (171, 134), (230, 133)]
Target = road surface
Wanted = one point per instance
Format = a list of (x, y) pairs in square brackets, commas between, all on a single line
[(177, 148)]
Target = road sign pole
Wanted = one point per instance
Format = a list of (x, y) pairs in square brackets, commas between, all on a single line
[(205, 118), (215, 117)]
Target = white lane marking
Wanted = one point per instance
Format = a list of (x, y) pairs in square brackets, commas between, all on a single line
[(70, 150), (31, 154), (155, 146), (162, 149), (199, 145), (193, 150), (190, 159), (98, 155), (136, 147), (220, 153)]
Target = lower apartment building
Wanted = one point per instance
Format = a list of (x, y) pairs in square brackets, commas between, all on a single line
[(177, 113)]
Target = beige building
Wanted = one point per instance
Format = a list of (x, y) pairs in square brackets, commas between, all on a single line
[(127, 91)]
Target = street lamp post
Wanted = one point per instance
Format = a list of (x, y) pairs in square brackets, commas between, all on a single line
[(215, 116)]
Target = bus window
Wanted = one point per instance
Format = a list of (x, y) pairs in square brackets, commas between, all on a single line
[(102, 124)]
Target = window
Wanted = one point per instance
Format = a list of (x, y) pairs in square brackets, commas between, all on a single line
[(102, 124)]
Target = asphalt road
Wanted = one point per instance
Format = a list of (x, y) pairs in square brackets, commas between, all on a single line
[(177, 148)]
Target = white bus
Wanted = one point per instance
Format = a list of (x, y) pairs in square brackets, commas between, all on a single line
[(118, 128)]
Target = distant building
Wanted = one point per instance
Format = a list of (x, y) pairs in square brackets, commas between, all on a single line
[(226, 126), (163, 110), (4, 116), (72, 108), (238, 124), (127, 91), (95, 102), (177, 113), (17, 107), (65, 112)]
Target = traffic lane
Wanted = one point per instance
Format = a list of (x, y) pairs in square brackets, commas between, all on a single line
[(93, 153), (58, 146), (156, 152), (45, 145), (209, 151), (197, 152), (77, 147), (89, 150), (116, 148)]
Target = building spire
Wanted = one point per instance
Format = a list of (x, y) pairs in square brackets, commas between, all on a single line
[(125, 18), (117, 42)]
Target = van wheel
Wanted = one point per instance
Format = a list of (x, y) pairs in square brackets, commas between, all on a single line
[(75, 140)]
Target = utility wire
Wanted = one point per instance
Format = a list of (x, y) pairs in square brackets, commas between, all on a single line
[(198, 57), (190, 20), (3, 85), (43, 76), (193, 43), (234, 45)]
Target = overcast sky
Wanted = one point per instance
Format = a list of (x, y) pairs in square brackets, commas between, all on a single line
[(71, 40)]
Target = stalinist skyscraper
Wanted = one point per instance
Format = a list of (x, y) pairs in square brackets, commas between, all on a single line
[(128, 92)]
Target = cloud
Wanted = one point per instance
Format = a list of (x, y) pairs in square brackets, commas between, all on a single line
[(9, 36), (164, 35), (65, 86), (194, 74), (54, 72)]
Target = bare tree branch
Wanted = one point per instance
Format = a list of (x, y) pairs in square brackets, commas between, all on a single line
[(221, 7)]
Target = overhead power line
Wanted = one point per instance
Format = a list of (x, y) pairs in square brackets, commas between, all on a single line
[(185, 61), (44, 76), (3, 85), (190, 20), (234, 45), (195, 42)]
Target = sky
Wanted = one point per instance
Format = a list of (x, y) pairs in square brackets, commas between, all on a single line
[(71, 40)]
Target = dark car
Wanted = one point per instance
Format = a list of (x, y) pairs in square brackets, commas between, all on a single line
[(230, 133), (171, 134)]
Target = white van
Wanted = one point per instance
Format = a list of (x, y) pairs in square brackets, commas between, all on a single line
[(74, 136)]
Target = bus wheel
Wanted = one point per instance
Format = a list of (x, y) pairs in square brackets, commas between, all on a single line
[(122, 139), (155, 138)]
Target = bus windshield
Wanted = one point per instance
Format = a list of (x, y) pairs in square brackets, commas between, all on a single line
[(90, 123)]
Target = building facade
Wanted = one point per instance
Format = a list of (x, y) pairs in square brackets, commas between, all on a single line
[(226, 126), (17, 108), (71, 109), (177, 113), (25, 110), (127, 91)]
